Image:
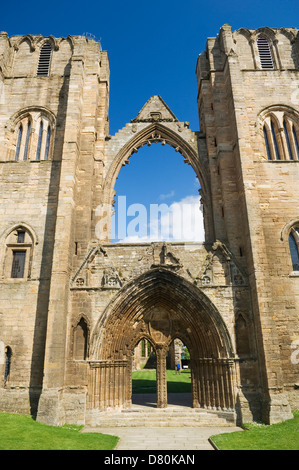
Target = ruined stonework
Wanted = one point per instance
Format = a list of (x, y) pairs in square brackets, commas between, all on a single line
[(73, 306)]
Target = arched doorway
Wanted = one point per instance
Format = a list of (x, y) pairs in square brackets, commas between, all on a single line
[(160, 306), (179, 375), (144, 377)]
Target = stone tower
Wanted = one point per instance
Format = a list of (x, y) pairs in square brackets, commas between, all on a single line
[(249, 108), (73, 306)]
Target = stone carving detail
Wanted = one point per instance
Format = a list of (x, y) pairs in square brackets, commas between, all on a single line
[(159, 327), (206, 280), (234, 273), (163, 257), (207, 276), (238, 280), (111, 279), (80, 282), (155, 110)]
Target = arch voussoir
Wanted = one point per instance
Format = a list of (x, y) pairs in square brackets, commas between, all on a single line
[(159, 306)]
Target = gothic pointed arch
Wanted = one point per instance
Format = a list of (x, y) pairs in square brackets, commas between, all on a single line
[(29, 39), (157, 126), (30, 134), (80, 339), (154, 133), (202, 325), (161, 306), (16, 252), (269, 33)]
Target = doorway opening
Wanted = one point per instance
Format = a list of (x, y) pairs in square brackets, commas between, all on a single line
[(179, 388), (160, 306), (144, 374), (177, 371)]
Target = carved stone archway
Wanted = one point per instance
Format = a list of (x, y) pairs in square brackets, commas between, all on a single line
[(161, 306), (155, 124)]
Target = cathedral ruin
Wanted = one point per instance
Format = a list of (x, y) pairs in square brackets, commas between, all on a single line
[(73, 305)]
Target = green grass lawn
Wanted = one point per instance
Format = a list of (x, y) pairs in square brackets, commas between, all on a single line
[(281, 436), (21, 432), (144, 381)]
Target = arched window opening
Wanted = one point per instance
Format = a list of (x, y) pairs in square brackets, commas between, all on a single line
[(8, 355), (280, 133), (25, 157), (242, 337), (267, 143), (274, 137), (18, 146), (265, 53), (144, 356), (48, 143), (157, 199), (39, 143), (294, 247), (33, 138), (287, 136), (43, 68), (295, 140), (80, 341), (18, 256)]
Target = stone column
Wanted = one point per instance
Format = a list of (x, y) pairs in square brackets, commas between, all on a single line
[(161, 378), (108, 384), (195, 383)]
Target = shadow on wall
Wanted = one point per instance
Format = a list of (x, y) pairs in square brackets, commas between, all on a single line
[(40, 330)]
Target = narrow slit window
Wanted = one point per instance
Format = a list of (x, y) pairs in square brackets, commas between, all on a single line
[(8, 354), (39, 143), (265, 53), (286, 131), (27, 141), (43, 68), (80, 341), (275, 141), (267, 143), (48, 143), (17, 154), (18, 264)]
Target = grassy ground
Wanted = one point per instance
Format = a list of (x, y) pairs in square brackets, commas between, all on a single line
[(144, 381), (281, 436), (20, 432)]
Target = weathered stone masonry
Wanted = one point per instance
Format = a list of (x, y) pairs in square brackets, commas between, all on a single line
[(73, 306)]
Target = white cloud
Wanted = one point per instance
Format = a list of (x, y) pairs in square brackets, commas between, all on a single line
[(180, 221)]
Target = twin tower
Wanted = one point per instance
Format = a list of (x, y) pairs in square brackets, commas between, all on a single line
[(74, 306)]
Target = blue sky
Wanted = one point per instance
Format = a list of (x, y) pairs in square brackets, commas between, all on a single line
[(153, 48)]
